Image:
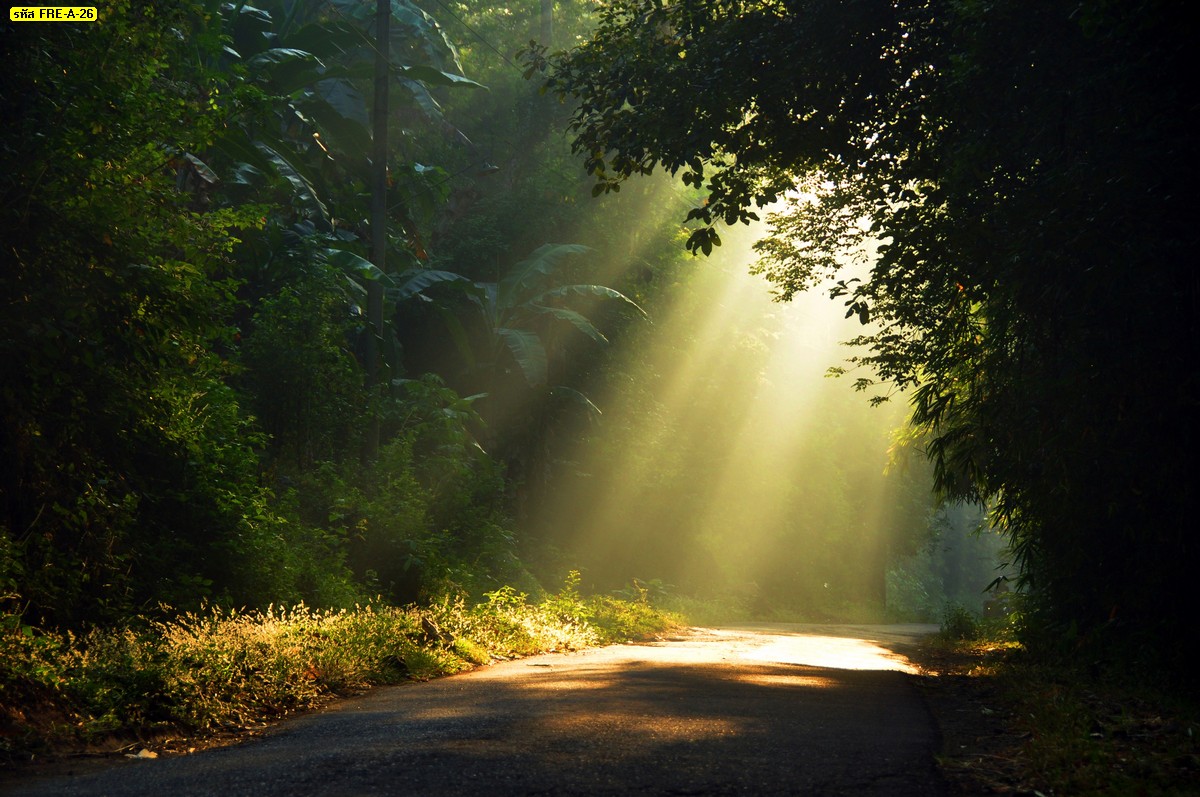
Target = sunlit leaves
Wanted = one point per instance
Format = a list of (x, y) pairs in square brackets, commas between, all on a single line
[(703, 240), (593, 291), (116, 282)]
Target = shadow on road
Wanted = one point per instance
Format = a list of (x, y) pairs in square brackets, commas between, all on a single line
[(699, 716)]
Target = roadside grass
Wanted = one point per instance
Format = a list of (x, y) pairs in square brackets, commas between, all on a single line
[(1011, 724), (218, 671), (1103, 736)]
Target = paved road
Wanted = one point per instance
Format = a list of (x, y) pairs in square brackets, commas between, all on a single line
[(779, 709)]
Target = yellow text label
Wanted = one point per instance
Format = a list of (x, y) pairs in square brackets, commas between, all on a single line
[(52, 14)]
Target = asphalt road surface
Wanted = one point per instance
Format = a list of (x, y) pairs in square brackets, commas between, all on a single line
[(778, 709)]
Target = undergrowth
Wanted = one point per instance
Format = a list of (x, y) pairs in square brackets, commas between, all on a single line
[(201, 673), (1063, 727), (1101, 736)]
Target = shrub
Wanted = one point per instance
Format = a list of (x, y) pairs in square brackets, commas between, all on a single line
[(958, 622)]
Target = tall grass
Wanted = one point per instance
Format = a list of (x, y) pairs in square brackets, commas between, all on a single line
[(203, 672)]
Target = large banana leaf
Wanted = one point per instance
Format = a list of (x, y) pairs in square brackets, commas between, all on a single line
[(345, 135), (525, 275), (246, 174), (345, 99), (411, 29), (485, 299), (410, 24), (355, 265), (327, 39), (597, 291), (253, 157), (528, 352), (417, 93), (292, 171), (458, 334), (415, 281), (577, 320), (435, 77), (277, 56)]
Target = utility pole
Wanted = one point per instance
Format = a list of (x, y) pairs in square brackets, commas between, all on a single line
[(379, 153)]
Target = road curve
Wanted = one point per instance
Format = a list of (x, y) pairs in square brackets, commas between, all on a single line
[(778, 709)]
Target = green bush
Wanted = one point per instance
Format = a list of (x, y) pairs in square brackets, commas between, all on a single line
[(620, 620), (300, 377), (958, 622)]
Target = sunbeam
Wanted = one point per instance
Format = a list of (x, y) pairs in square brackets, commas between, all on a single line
[(727, 461)]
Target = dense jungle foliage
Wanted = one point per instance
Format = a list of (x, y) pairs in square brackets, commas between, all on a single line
[(217, 390), (185, 413), (199, 440), (197, 406)]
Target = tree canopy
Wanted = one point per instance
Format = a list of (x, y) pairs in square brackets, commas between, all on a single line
[(1015, 176)]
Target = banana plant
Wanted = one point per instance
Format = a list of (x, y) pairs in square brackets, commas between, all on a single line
[(304, 71), (506, 335), (524, 306), (302, 137), (514, 327), (527, 317)]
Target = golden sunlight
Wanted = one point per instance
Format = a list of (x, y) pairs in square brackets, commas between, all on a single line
[(727, 461), (839, 653)]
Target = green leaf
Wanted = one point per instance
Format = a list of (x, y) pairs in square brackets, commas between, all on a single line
[(275, 159), (413, 28), (545, 260), (527, 349), (294, 173), (354, 264), (281, 55), (418, 95), (206, 174), (576, 397), (597, 291), (577, 320), (436, 77), (328, 40), (245, 174), (458, 334), (410, 283), (346, 135), (345, 99), (353, 9)]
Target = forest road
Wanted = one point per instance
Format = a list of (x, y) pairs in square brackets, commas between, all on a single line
[(769, 709)]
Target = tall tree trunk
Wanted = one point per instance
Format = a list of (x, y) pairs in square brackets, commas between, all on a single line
[(379, 152)]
